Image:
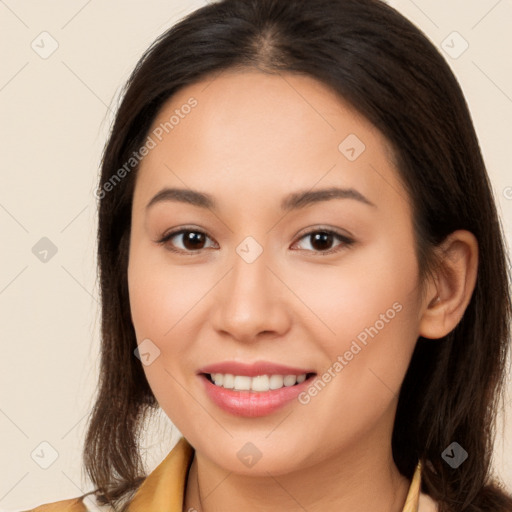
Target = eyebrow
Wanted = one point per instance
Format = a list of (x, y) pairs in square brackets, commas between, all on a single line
[(293, 201)]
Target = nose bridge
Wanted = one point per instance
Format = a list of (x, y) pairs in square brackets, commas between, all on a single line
[(249, 300), (249, 281)]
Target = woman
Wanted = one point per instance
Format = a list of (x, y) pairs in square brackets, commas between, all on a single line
[(301, 263)]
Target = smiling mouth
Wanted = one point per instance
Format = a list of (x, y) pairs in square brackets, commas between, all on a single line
[(258, 383)]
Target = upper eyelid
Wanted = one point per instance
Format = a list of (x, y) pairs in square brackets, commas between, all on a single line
[(309, 231)]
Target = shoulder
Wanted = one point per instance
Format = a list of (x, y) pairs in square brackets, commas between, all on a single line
[(427, 504), (70, 505)]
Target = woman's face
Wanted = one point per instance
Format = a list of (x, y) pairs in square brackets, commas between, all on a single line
[(255, 287)]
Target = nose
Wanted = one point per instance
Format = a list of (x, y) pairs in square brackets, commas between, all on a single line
[(251, 301)]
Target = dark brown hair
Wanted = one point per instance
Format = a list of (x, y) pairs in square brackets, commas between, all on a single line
[(388, 70)]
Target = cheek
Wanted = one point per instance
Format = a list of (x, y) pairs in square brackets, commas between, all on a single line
[(159, 301), (162, 294), (371, 308), (371, 293), (167, 307)]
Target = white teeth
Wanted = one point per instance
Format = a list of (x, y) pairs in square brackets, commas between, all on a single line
[(229, 381), (260, 383), (276, 381), (242, 383), (290, 380)]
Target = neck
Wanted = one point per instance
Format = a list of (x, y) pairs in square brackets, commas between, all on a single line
[(357, 479)]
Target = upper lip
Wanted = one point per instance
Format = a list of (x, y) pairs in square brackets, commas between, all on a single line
[(253, 369)]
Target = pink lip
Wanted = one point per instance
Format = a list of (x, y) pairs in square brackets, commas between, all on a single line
[(252, 404), (254, 369)]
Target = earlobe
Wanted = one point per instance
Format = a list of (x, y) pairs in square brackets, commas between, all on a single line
[(452, 286)]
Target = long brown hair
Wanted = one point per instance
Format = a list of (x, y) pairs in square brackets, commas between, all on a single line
[(388, 70)]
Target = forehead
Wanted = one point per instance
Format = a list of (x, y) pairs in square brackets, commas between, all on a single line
[(268, 130)]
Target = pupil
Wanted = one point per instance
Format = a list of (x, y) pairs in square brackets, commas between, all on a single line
[(322, 238), (192, 238)]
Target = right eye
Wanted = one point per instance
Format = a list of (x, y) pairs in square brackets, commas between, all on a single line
[(193, 240)]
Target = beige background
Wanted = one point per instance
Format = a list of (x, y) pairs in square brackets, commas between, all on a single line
[(55, 114)]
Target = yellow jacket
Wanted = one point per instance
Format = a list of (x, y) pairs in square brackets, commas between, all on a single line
[(163, 489)]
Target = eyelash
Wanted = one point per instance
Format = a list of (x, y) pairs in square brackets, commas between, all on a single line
[(347, 242)]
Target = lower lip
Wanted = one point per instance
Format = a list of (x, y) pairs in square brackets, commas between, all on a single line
[(252, 404)]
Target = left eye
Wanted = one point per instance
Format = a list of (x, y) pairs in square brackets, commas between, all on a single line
[(323, 238), (193, 241)]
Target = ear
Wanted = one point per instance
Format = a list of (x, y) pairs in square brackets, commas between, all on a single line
[(450, 288)]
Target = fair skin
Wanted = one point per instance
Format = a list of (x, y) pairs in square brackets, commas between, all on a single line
[(251, 140)]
